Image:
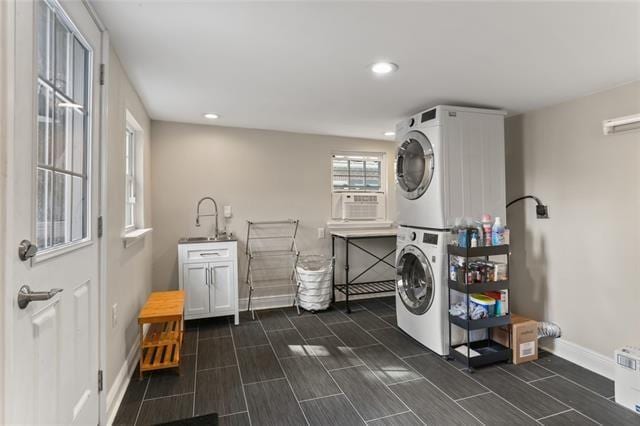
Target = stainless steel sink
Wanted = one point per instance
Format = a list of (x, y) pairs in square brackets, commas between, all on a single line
[(191, 240)]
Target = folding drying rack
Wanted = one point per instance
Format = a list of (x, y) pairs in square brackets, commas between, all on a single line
[(272, 255)]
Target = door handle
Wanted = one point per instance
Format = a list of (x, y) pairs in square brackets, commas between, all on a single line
[(206, 276), (26, 296), (212, 275)]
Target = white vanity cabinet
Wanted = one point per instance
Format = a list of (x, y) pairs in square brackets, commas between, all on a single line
[(208, 273)]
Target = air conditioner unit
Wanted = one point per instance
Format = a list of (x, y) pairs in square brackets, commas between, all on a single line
[(358, 206), (621, 124)]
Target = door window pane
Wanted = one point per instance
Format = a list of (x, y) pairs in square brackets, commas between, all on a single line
[(44, 41), (63, 109), (62, 37), (45, 124)]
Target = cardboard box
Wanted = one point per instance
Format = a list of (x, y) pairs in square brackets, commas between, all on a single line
[(524, 338)]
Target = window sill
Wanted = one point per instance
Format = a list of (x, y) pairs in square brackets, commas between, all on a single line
[(131, 237), (359, 224)]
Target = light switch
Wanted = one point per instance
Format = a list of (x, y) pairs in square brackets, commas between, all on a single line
[(320, 232)]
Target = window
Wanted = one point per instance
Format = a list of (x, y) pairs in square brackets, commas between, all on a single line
[(357, 172), (63, 129), (130, 181)]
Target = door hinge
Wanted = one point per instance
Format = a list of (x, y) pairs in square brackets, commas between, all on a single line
[(100, 226), (99, 380), (101, 74)]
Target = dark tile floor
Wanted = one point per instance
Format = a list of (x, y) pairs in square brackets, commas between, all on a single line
[(337, 369)]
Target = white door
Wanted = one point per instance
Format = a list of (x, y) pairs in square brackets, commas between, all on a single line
[(53, 193), (221, 286), (196, 287)]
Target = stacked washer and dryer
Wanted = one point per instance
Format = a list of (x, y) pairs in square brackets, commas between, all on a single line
[(449, 166)]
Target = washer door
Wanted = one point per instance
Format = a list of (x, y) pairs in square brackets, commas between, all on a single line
[(414, 165), (414, 280)]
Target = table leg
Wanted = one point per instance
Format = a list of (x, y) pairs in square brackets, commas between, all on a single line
[(346, 274), (333, 269)]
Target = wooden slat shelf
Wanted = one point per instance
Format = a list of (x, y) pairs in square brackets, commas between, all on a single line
[(162, 343), (161, 334)]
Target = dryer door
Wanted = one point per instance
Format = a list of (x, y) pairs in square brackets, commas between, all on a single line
[(414, 280), (414, 165)]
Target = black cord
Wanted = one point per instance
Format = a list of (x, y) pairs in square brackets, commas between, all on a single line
[(533, 197)]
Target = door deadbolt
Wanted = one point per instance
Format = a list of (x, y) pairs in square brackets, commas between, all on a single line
[(26, 250)]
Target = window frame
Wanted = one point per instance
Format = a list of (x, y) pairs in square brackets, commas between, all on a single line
[(58, 13), (135, 178), (371, 155)]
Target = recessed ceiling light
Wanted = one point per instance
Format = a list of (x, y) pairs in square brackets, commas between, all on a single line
[(389, 134), (211, 116), (383, 67)]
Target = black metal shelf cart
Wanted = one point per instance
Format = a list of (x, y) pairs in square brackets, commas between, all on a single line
[(351, 286), (486, 350)]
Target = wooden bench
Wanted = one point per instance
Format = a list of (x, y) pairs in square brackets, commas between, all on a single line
[(162, 343)]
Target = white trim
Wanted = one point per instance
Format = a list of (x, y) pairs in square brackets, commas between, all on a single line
[(593, 361), (359, 224), (135, 235), (266, 302), (121, 383), (104, 317)]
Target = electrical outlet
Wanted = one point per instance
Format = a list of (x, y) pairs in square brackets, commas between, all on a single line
[(320, 232), (227, 212), (542, 211), (114, 315)]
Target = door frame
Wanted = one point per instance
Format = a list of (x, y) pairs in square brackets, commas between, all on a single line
[(7, 55), (7, 297)]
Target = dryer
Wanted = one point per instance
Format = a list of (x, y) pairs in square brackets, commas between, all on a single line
[(450, 164), (421, 280)]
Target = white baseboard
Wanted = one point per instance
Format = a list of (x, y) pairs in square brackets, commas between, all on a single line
[(285, 300), (594, 361), (121, 382), (266, 302)]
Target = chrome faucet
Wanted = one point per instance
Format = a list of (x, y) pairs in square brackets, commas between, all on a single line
[(198, 215)]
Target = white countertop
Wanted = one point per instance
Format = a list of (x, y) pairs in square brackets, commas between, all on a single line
[(355, 233)]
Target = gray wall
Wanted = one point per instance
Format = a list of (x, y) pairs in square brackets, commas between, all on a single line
[(579, 268), (128, 269), (263, 175)]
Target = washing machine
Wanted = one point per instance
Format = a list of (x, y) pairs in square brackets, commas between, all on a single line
[(421, 286), (450, 164)]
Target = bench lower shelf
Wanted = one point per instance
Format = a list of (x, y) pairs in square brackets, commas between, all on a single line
[(159, 357)]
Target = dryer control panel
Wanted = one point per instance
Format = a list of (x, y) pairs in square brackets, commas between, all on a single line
[(429, 238)]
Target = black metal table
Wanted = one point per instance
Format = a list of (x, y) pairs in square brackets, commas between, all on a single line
[(350, 286)]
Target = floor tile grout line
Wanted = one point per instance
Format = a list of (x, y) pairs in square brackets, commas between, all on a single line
[(429, 381), (320, 397), (392, 415), (507, 402), (555, 414), (568, 405), (169, 396), (214, 337), (244, 394), (252, 346), (257, 382), (374, 374), (217, 368), (472, 396), (539, 390), (142, 400), (572, 381), (285, 374), (344, 368), (333, 379), (408, 380), (233, 414), (541, 378), (195, 373)]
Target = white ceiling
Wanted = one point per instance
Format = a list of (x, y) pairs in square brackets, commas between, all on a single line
[(303, 66)]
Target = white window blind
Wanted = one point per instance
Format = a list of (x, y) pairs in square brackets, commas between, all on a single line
[(356, 172)]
